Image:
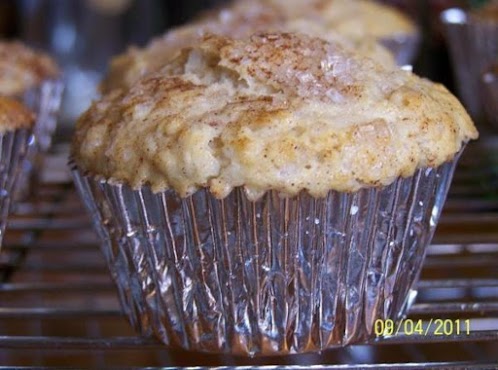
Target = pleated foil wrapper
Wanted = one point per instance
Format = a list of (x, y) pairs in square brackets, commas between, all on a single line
[(473, 46), (490, 96), (275, 276), (44, 101), (13, 149), (403, 47)]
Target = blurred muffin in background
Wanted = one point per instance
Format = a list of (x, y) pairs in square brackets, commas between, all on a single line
[(357, 20), (14, 116), (353, 18), (33, 77), (22, 68)]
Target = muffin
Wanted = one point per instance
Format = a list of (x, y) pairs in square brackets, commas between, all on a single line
[(356, 20), (16, 123), (34, 78), (243, 18), (361, 18), (22, 68), (472, 39), (268, 195)]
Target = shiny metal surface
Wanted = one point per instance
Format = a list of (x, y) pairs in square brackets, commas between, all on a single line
[(44, 101), (59, 306), (13, 151), (276, 276)]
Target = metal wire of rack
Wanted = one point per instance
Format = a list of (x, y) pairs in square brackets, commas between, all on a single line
[(58, 306)]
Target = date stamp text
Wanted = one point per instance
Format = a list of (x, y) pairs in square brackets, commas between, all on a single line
[(433, 327)]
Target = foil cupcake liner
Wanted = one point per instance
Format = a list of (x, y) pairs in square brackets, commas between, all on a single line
[(403, 47), (275, 276), (13, 149), (490, 97), (44, 101), (473, 47)]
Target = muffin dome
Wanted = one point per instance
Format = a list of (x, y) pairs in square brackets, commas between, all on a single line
[(244, 18), (276, 111), (22, 68)]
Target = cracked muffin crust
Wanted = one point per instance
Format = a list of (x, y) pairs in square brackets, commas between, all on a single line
[(244, 18), (22, 68), (276, 111)]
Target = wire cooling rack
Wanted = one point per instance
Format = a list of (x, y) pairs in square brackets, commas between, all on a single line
[(58, 307)]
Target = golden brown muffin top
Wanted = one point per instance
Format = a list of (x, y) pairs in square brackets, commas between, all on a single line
[(22, 68), (279, 111), (14, 115)]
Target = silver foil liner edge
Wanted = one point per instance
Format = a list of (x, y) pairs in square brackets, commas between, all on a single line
[(13, 148), (44, 101), (276, 276)]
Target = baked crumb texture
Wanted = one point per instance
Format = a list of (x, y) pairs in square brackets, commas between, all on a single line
[(14, 115), (279, 111), (22, 68), (355, 24)]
